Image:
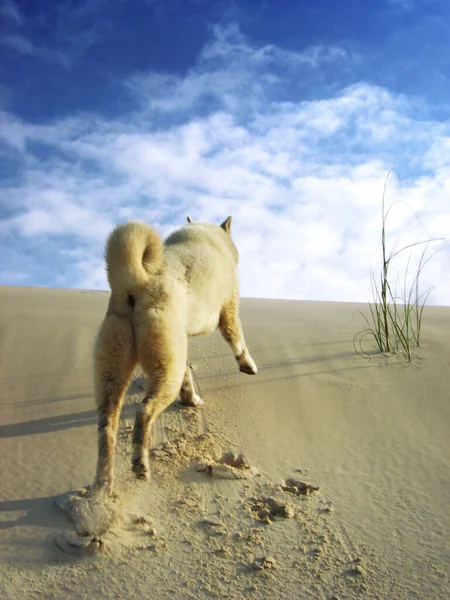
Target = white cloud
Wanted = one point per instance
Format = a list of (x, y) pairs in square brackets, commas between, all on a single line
[(75, 29), (407, 5), (230, 45), (19, 43), (22, 45), (10, 10), (229, 70), (303, 179), (13, 131), (53, 212)]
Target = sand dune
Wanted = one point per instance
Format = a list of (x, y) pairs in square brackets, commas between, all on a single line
[(325, 476)]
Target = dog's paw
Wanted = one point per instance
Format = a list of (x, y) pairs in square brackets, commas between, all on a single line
[(140, 469), (193, 400), (246, 365), (188, 397)]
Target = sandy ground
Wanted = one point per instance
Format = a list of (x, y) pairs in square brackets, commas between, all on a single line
[(372, 434)]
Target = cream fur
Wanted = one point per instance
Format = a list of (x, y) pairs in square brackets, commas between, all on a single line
[(160, 295)]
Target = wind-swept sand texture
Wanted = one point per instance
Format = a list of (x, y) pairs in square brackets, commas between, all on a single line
[(325, 476)]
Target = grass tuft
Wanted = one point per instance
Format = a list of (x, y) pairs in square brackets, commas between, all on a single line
[(395, 317)]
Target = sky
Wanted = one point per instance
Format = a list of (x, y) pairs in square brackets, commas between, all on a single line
[(295, 117)]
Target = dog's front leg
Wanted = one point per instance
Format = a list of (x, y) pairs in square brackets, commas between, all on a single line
[(188, 395), (231, 330)]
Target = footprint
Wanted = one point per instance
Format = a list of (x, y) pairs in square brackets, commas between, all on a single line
[(90, 515), (229, 466), (268, 508), (298, 488), (75, 545)]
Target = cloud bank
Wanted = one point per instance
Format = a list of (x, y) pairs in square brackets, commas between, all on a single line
[(302, 178)]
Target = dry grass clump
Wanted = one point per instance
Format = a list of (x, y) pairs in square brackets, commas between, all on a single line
[(396, 311)]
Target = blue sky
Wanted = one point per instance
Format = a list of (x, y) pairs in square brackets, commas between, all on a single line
[(288, 115)]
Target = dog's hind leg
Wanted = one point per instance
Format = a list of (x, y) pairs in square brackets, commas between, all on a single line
[(115, 359), (188, 394), (231, 330), (162, 351)]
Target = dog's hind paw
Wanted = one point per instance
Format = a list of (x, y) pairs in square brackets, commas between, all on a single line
[(140, 469)]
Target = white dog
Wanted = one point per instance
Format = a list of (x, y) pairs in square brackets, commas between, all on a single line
[(160, 295)]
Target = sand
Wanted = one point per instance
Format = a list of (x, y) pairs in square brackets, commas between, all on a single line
[(325, 476)]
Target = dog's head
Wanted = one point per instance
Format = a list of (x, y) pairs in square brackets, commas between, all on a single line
[(226, 226)]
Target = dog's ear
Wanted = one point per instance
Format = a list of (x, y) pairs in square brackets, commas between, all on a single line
[(189, 220), (227, 225)]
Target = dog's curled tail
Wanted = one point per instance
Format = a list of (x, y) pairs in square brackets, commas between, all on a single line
[(134, 252)]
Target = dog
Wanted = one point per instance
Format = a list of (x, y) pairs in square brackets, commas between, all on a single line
[(161, 293)]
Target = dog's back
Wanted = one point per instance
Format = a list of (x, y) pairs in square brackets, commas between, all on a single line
[(203, 259), (194, 272)]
